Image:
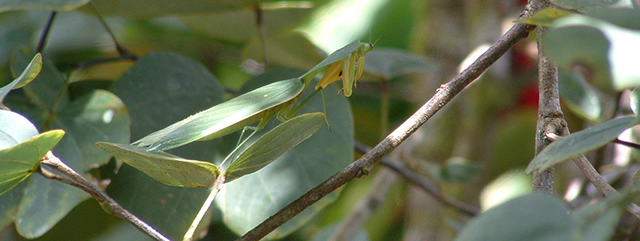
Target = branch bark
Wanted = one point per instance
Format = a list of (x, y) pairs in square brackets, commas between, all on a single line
[(443, 95), (107, 203)]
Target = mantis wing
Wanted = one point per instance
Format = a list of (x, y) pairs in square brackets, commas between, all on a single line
[(224, 118)]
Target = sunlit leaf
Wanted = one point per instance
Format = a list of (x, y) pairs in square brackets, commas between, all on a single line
[(164, 167), (19, 162), (29, 73), (14, 128), (580, 143), (587, 5), (545, 17), (274, 144)]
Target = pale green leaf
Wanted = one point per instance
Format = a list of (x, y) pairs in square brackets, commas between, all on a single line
[(580, 143), (19, 162), (164, 167), (274, 144), (14, 128), (224, 118), (336, 56), (532, 217), (598, 221)]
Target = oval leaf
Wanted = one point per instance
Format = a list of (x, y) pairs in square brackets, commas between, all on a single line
[(21, 161), (580, 142), (164, 167), (274, 144), (224, 118), (581, 97), (390, 63), (532, 217), (28, 74), (14, 128), (545, 17)]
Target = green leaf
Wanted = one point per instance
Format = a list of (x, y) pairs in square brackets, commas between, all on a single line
[(274, 144), (45, 202), (251, 199), (160, 89), (580, 142), (52, 5), (29, 73), (532, 217), (583, 49), (19, 162), (164, 167), (240, 25), (587, 5), (598, 221), (602, 48), (14, 129), (579, 96), (224, 118), (391, 63), (545, 17), (99, 116), (156, 8), (635, 101)]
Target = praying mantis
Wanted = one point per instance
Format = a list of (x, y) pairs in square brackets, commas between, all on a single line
[(276, 99)]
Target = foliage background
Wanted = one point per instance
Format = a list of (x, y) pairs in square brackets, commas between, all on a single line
[(476, 149)]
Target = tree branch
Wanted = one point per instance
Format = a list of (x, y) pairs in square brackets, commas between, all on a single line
[(443, 95), (423, 184), (107, 203)]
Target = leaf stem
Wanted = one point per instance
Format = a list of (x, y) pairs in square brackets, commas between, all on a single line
[(107, 203), (188, 236)]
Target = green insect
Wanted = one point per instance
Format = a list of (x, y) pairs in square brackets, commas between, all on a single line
[(348, 69)]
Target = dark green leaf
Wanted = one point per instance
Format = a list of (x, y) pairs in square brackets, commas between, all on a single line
[(532, 217), (240, 25), (274, 144), (579, 96), (580, 143), (635, 101), (164, 167), (19, 162), (390, 63), (155, 8), (52, 5), (100, 116)]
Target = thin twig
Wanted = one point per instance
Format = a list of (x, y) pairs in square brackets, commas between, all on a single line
[(627, 144), (121, 49), (443, 95), (423, 184), (45, 33), (262, 33), (107, 203)]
